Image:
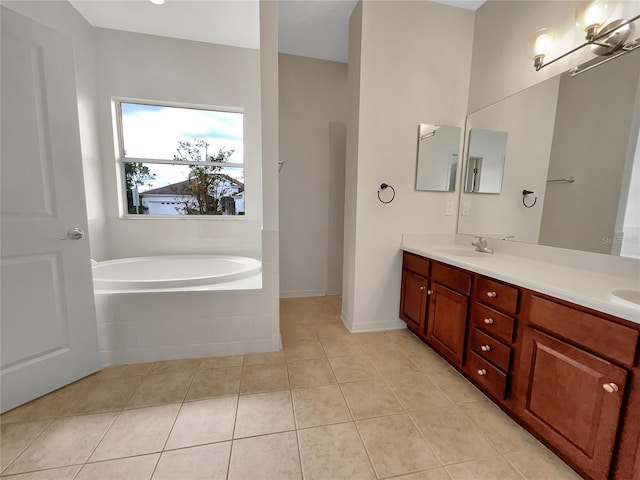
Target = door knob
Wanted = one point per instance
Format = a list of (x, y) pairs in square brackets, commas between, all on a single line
[(74, 234)]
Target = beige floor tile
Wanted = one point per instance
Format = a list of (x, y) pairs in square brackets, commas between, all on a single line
[(94, 396), (331, 330), (118, 371), (309, 373), (505, 434), (295, 334), (62, 473), (67, 441), (323, 405), (416, 392), (171, 366), (15, 437), (206, 462), (538, 463), (161, 389), (303, 350), (220, 362), (140, 468), (370, 398), (204, 421), (215, 382), (395, 445), (335, 301), (435, 474), (264, 378), (375, 342), (268, 457), (352, 368), (334, 452), (426, 359), (137, 432), (269, 358), (401, 335), (46, 407), (456, 387), (294, 320), (340, 346), (452, 436), (492, 468), (391, 364), (262, 413)]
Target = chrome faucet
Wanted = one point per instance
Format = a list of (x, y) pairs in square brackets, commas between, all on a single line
[(481, 245)]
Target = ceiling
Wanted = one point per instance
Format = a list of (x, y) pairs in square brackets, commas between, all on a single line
[(310, 28)]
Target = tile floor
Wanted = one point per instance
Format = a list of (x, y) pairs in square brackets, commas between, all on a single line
[(331, 406)]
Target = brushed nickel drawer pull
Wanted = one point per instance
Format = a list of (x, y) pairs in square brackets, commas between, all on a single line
[(482, 372), (492, 294), (488, 321), (610, 387), (485, 348)]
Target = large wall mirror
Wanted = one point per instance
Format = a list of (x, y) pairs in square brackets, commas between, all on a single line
[(573, 141), (437, 159)]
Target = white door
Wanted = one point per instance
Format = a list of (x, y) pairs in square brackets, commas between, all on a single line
[(48, 322)]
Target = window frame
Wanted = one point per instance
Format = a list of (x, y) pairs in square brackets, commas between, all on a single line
[(121, 159)]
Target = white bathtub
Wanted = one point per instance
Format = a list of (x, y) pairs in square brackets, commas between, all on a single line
[(170, 272), (184, 306)]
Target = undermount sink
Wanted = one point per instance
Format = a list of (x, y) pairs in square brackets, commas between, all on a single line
[(460, 252), (630, 295)]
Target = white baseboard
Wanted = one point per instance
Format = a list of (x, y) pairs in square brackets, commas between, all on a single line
[(303, 293), (377, 326)]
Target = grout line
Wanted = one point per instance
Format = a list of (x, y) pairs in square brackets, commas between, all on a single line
[(50, 420)]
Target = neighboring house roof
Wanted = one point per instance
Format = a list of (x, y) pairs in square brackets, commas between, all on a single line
[(182, 188)]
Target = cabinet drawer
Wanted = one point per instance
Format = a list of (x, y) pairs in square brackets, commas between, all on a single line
[(491, 349), (416, 264), (451, 277), (503, 297), (597, 334), (487, 375), (493, 322)]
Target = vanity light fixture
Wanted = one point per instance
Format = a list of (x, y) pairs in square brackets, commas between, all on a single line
[(604, 38)]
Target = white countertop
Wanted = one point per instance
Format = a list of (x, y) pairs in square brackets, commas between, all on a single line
[(580, 286)]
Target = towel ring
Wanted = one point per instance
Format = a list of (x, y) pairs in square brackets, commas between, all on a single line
[(384, 186), (524, 196)]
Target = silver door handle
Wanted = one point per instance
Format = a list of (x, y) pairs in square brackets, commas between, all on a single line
[(74, 234)]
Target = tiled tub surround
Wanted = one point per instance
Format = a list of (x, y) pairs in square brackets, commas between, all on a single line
[(146, 327), (582, 278), (332, 405)]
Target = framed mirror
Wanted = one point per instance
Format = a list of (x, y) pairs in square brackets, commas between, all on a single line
[(574, 142), (485, 161), (437, 158)]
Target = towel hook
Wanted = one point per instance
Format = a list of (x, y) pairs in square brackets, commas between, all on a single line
[(524, 196), (384, 186)]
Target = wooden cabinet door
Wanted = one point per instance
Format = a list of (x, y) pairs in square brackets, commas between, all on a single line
[(447, 323), (572, 398), (413, 300)]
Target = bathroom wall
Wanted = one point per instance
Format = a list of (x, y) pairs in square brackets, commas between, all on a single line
[(150, 67), (408, 74), (61, 16), (312, 117)]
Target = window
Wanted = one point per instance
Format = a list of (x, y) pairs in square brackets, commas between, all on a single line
[(180, 161)]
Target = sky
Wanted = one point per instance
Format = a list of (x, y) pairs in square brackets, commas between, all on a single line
[(153, 132)]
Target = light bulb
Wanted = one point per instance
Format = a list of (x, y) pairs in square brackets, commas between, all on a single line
[(592, 16), (539, 45), (157, 2)]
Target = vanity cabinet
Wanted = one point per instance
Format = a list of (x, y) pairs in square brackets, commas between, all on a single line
[(447, 316), (573, 379), (568, 374), (414, 292)]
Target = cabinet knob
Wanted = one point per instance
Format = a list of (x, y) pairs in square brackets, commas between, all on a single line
[(429, 292), (423, 288), (485, 348), (610, 387), (488, 321), (482, 372), (492, 294)]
